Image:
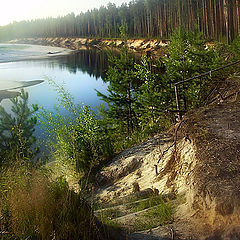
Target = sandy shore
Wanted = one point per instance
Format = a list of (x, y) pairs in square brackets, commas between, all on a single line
[(140, 46), (7, 94), (7, 87), (12, 85), (20, 52)]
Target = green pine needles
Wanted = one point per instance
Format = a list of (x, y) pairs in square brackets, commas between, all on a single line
[(189, 55), (16, 130), (140, 95), (121, 87)]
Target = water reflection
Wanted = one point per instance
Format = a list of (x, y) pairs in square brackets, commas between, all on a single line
[(81, 73), (92, 61)]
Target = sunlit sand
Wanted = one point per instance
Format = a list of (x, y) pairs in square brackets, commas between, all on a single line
[(19, 52), (11, 85)]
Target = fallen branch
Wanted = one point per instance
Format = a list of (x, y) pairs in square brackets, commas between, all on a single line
[(230, 95)]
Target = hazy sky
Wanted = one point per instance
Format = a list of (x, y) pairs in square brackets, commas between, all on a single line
[(17, 10)]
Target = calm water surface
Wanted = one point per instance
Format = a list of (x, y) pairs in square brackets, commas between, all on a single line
[(80, 74)]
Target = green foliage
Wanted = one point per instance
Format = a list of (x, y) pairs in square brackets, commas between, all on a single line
[(76, 138), (235, 47), (156, 216), (140, 94), (146, 203), (16, 130), (122, 82), (127, 121), (106, 219), (33, 207), (157, 212), (150, 96), (145, 18), (190, 56)]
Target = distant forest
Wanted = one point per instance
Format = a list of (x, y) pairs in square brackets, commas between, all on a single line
[(217, 19)]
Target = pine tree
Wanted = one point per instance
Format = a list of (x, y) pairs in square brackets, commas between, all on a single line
[(16, 130), (149, 96), (190, 56), (122, 82)]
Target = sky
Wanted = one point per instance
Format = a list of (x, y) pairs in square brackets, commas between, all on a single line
[(17, 10)]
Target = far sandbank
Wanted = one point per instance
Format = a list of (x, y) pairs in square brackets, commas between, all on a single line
[(20, 52), (6, 87)]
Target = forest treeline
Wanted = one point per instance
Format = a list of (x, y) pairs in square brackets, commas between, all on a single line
[(217, 19)]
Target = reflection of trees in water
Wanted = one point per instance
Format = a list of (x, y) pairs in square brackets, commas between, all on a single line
[(91, 61)]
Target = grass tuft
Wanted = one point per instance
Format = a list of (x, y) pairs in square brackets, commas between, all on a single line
[(34, 207), (160, 215)]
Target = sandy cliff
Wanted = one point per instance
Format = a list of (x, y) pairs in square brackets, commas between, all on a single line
[(200, 163), (136, 45)]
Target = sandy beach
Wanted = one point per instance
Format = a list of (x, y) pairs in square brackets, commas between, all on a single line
[(20, 52), (7, 87)]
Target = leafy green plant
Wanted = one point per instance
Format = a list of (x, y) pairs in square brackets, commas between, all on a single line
[(76, 138), (16, 130)]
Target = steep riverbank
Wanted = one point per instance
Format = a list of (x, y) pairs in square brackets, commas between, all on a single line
[(136, 45), (197, 161)]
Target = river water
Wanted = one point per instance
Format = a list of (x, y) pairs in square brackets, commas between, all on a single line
[(80, 73), (29, 67)]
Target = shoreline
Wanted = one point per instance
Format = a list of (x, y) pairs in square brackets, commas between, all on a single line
[(12, 53), (30, 52), (10, 88), (141, 46)]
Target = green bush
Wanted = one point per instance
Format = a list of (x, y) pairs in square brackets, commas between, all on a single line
[(235, 48), (16, 130), (76, 138)]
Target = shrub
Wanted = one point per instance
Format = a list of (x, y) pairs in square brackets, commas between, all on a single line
[(76, 138), (16, 130), (235, 47)]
